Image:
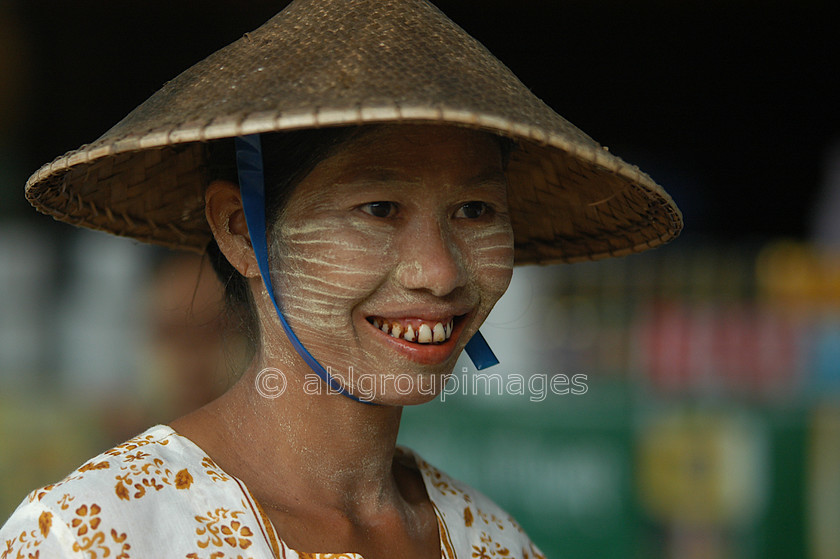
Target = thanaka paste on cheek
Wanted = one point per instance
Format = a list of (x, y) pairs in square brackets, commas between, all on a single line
[(320, 277)]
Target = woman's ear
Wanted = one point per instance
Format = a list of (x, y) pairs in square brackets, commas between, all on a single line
[(223, 209)]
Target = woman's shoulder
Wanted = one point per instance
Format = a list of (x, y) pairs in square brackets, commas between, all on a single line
[(145, 464), (471, 521), (157, 483)]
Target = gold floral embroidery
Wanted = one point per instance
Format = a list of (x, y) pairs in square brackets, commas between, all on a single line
[(45, 523), (86, 518), (490, 548), (90, 466), (122, 492), (442, 485), (151, 475), (39, 494), (139, 455), (65, 501), (26, 540), (491, 519), (183, 479), (212, 470), (327, 555), (222, 527), (120, 538), (93, 540), (135, 443), (439, 481)]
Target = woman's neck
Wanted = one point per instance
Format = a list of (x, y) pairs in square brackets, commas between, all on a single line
[(300, 447)]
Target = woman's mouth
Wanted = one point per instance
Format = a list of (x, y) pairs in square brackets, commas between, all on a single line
[(429, 341), (415, 330)]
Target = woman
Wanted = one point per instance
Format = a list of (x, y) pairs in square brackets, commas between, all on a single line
[(388, 174)]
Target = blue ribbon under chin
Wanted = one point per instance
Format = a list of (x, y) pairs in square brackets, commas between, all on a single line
[(249, 163), (479, 352)]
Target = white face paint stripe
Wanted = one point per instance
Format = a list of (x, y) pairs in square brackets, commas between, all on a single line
[(343, 244), (303, 229), (331, 288), (338, 265), (505, 247)]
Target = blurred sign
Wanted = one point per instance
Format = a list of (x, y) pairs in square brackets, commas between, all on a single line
[(702, 468), (715, 348)]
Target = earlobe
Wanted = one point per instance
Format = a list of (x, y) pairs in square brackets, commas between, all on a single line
[(223, 209)]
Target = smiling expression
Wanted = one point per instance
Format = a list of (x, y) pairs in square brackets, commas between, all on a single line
[(392, 251)]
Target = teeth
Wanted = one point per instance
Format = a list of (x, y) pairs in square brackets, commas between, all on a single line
[(396, 330), (439, 333), (424, 335)]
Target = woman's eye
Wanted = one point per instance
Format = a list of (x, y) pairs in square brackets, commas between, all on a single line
[(472, 210), (380, 209)]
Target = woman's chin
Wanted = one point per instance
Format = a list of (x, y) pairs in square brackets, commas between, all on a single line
[(400, 389)]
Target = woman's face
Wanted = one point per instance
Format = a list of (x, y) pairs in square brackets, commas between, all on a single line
[(390, 254)]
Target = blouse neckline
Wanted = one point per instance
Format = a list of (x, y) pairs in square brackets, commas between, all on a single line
[(280, 548)]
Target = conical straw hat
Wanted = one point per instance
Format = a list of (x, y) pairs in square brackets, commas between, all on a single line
[(325, 63)]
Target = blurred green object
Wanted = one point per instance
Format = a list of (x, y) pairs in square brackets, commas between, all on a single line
[(44, 437), (562, 467), (571, 470)]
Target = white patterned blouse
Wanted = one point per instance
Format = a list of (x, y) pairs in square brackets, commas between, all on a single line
[(159, 495)]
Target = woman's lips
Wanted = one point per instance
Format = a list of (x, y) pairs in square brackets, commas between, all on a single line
[(419, 350)]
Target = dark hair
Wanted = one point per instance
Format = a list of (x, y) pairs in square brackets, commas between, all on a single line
[(287, 158)]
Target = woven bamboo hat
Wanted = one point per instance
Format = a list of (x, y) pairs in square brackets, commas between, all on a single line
[(325, 63)]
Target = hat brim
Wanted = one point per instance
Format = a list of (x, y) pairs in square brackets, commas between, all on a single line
[(323, 63)]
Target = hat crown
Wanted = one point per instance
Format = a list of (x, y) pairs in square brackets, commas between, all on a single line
[(352, 62), (340, 55)]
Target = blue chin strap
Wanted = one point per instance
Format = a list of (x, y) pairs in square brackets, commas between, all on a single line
[(249, 163)]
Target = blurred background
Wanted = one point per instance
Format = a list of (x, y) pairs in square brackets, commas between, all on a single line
[(710, 423)]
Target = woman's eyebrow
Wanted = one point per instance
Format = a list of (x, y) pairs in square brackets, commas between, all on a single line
[(390, 177), (491, 176), (373, 175)]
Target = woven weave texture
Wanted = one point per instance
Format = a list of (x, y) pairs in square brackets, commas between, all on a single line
[(354, 62)]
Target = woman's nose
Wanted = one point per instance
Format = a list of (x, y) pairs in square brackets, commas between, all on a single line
[(429, 259)]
